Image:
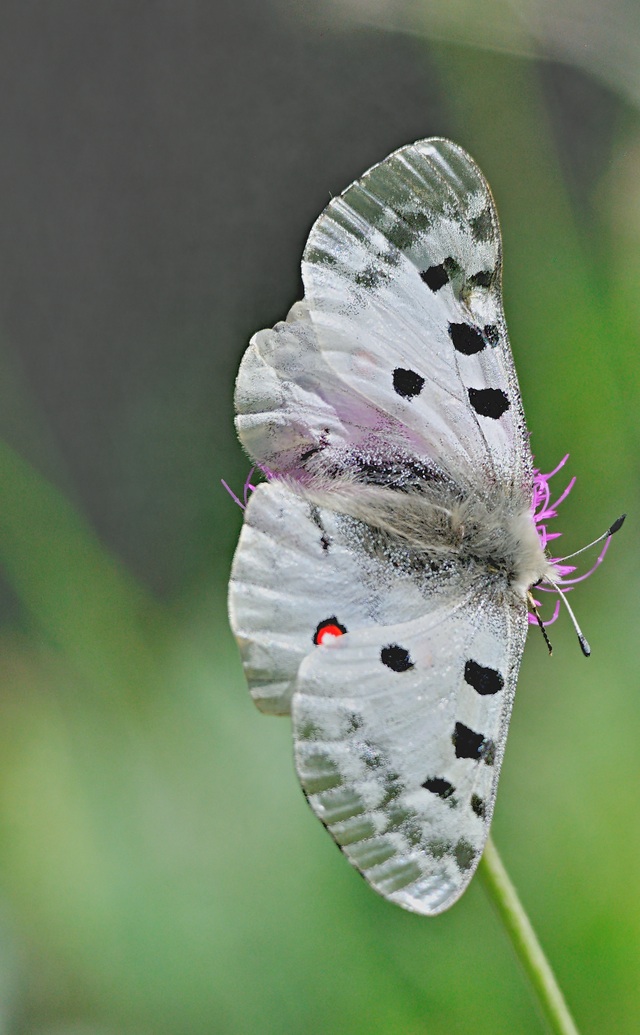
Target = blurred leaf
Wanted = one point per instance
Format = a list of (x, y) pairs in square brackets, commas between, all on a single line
[(75, 593)]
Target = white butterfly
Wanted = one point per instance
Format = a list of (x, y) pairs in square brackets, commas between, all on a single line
[(379, 591)]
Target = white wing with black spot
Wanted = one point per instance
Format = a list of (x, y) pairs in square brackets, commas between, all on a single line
[(298, 567), (400, 712), (400, 348), (399, 736)]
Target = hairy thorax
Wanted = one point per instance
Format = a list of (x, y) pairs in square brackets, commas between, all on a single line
[(439, 523)]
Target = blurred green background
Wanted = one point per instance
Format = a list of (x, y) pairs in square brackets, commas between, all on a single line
[(161, 165)]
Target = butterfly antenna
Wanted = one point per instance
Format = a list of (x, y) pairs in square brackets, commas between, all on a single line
[(615, 527), (584, 645), (536, 614)]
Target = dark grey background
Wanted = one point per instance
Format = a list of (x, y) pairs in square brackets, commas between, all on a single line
[(160, 168)]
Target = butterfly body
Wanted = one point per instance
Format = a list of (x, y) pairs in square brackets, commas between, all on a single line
[(496, 542), (379, 590)]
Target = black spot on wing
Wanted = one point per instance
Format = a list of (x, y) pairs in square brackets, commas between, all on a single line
[(483, 679), (396, 658), (478, 806), (469, 744), (489, 402), (466, 742), (466, 339), (407, 383), (437, 785), (435, 277)]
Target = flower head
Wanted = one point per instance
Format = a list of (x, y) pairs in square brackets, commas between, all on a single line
[(543, 510)]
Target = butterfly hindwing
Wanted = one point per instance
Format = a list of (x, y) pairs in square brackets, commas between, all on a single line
[(399, 736), (298, 565), (400, 685), (286, 571)]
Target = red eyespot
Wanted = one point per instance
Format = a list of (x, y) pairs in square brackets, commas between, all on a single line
[(330, 627)]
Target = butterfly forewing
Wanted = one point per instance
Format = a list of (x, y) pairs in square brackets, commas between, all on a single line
[(402, 276), (292, 406)]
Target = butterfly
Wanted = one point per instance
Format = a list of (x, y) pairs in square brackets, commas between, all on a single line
[(382, 582)]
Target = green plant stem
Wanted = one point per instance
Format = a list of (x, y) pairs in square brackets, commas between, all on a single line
[(523, 938)]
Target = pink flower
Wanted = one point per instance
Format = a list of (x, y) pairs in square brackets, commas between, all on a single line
[(544, 510)]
